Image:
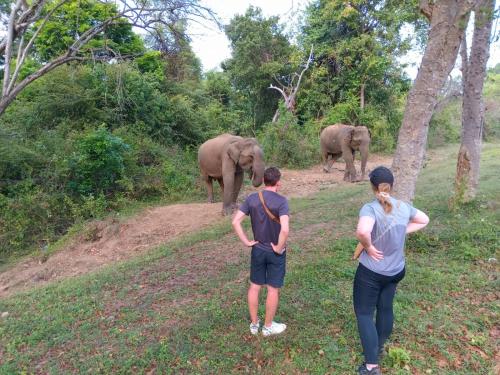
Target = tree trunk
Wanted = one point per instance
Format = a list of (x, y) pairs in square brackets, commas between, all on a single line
[(473, 75), (362, 96), (448, 21)]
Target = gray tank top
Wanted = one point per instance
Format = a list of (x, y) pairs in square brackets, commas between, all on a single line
[(388, 235)]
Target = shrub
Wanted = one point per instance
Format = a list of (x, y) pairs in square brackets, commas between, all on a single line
[(286, 143), (98, 163), (398, 358), (180, 174), (31, 217)]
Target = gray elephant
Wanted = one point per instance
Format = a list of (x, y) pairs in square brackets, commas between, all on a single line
[(225, 158), (343, 140)]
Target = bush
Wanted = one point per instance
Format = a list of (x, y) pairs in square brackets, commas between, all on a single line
[(32, 217), (181, 175), (98, 163), (398, 358), (286, 143)]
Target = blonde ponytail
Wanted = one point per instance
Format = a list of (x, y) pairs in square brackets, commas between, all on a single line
[(382, 194)]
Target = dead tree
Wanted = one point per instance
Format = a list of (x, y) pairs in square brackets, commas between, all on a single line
[(289, 91)]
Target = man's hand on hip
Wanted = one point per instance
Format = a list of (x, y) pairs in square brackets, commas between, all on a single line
[(277, 250)]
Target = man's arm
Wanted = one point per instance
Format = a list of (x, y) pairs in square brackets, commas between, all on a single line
[(364, 235), (284, 222), (237, 220)]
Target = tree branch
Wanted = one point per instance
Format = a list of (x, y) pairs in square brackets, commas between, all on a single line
[(24, 53), (309, 59), (285, 96), (9, 44)]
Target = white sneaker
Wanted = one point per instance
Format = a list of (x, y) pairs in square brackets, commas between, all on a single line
[(254, 328), (275, 329)]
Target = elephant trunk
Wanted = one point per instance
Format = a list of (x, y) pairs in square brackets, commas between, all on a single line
[(363, 150), (258, 170)]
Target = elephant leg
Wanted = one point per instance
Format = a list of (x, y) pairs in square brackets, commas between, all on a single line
[(350, 170), (238, 181), (210, 189), (329, 163), (325, 157), (228, 181), (221, 184)]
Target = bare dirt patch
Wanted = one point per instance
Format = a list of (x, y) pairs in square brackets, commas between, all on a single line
[(105, 242)]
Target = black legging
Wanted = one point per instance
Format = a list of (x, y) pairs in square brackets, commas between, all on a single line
[(372, 290)]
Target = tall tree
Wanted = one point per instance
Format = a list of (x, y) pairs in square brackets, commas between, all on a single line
[(28, 22), (473, 75), (357, 44), (448, 20), (260, 51)]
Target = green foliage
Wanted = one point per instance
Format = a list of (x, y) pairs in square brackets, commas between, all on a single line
[(181, 173), (357, 44), (398, 358), (73, 19), (286, 143), (356, 50), (492, 103), (445, 126), (151, 62), (260, 52), (97, 165)]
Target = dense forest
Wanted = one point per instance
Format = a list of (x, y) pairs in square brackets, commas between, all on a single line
[(120, 123)]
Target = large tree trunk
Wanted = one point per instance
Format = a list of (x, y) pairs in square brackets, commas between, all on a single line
[(448, 21), (473, 74)]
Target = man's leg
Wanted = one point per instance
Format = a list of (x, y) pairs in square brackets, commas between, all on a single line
[(253, 301), (271, 304), (276, 269), (257, 279)]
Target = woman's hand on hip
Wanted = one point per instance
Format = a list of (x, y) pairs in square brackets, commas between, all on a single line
[(374, 253)]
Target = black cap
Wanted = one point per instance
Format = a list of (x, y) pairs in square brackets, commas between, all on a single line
[(380, 175)]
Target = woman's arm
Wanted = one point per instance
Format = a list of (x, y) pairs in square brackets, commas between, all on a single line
[(364, 235), (419, 221)]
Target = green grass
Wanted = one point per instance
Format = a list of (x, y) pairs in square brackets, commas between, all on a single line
[(171, 312)]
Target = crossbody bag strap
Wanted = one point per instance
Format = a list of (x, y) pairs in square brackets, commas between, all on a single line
[(268, 212)]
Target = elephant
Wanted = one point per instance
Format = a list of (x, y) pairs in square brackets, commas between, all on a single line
[(225, 158), (343, 140)]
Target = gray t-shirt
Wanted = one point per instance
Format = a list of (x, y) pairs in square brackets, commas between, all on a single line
[(264, 229), (388, 235)]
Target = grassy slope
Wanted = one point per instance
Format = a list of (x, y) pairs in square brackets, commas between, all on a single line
[(124, 320)]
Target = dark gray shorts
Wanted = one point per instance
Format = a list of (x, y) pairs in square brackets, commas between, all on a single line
[(267, 267)]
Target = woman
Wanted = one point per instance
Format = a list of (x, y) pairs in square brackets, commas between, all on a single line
[(382, 228)]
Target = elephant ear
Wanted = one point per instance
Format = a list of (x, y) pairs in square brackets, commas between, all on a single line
[(234, 151), (348, 134)]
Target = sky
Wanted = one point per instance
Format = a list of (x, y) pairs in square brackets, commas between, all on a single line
[(212, 46)]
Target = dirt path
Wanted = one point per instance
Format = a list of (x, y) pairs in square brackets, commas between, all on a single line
[(105, 242)]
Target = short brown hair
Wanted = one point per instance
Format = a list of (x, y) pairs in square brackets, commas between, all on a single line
[(271, 176)]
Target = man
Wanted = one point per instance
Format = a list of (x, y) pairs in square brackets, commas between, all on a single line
[(268, 248)]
